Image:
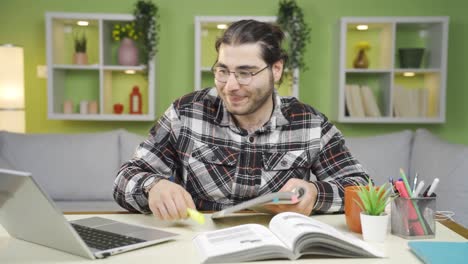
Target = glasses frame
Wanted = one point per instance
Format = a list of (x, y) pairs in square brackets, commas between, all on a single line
[(252, 74)]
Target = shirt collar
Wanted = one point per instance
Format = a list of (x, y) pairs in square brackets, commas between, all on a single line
[(277, 119)]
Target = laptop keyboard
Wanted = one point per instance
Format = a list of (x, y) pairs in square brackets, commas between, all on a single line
[(104, 240)]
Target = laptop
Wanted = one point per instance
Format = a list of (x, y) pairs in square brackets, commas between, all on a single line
[(27, 213)]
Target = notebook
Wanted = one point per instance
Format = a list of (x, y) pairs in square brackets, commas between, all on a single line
[(440, 252), (258, 204), (27, 213)]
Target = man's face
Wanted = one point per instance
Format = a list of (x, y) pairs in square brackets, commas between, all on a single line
[(249, 98)]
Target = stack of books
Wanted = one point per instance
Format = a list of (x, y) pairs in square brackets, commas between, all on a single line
[(361, 101)]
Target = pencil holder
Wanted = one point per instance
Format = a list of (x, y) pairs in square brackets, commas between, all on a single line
[(414, 218)]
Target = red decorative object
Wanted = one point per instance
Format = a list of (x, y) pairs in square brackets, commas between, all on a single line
[(135, 101), (118, 108)]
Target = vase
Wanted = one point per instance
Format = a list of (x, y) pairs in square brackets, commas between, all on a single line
[(128, 52), (410, 57), (374, 227), (361, 61), (80, 58)]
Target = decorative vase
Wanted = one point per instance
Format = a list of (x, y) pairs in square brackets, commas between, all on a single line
[(374, 227), (135, 101), (361, 61), (80, 58), (128, 52)]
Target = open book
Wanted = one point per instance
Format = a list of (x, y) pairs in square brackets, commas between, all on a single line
[(290, 235)]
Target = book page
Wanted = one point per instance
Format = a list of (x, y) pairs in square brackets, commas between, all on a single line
[(298, 231), (288, 227), (245, 240)]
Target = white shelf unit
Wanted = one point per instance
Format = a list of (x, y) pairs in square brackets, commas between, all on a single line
[(400, 99), (102, 80), (206, 32)]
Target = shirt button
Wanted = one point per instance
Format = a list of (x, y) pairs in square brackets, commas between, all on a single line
[(284, 163), (251, 139), (213, 158)]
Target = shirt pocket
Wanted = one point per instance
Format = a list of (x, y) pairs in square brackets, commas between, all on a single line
[(211, 171), (282, 166)]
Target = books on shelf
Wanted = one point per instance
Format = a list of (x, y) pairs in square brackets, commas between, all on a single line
[(361, 101), (410, 102), (370, 103), (289, 236)]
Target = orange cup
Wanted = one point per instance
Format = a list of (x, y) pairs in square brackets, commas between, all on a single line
[(352, 210)]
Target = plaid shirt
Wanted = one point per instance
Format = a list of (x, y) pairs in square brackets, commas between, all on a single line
[(197, 144)]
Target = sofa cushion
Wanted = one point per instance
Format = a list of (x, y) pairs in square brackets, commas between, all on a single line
[(382, 156), (128, 144), (67, 166), (435, 158)]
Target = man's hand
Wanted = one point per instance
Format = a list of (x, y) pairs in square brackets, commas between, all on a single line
[(169, 201), (307, 202)]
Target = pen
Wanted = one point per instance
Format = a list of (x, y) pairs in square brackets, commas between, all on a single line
[(390, 180), (415, 182), (433, 187), (418, 189)]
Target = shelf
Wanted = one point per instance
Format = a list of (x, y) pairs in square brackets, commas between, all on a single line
[(102, 81), (124, 68), (409, 92), (378, 36), (417, 70), (391, 120), (102, 117), (368, 71), (75, 67)]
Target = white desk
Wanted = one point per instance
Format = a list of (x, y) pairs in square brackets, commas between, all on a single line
[(182, 250)]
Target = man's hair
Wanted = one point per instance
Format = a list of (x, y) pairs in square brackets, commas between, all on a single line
[(269, 37)]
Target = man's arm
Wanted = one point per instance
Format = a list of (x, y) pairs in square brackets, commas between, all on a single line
[(335, 169), (154, 159)]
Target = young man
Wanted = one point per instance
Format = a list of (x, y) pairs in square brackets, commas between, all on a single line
[(221, 146)]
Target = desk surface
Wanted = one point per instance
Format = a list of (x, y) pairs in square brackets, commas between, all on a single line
[(182, 250)]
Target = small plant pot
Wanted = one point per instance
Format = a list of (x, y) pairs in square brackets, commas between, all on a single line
[(374, 227), (80, 58), (410, 57)]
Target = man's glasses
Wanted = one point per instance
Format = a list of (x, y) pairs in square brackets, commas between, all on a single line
[(243, 77)]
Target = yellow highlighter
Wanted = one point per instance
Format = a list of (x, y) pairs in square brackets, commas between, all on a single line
[(195, 215)]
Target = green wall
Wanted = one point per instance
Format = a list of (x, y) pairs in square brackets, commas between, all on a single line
[(22, 23)]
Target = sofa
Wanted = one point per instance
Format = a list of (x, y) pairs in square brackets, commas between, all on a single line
[(78, 170)]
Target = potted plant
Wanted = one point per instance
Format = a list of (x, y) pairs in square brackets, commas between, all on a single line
[(146, 15), (127, 34), (80, 56), (374, 220), (291, 21)]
